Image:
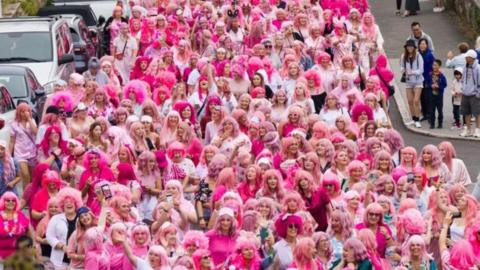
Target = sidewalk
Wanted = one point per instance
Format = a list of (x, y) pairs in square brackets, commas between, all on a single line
[(445, 33)]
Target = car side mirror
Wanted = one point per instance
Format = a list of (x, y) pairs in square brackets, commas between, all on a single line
[(66, 58), (101, 20)]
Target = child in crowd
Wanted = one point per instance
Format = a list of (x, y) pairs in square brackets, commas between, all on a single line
[(436, 84), (457, 96)]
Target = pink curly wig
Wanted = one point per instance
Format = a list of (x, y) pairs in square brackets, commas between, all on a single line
[(70, 193), (195, 238), (179, 106), (358, 109), (462, 255), (284, 221), (66, 98), (137, 87)]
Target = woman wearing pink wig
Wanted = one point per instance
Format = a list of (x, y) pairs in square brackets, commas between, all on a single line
[(456, 166), (15, 224), (223, 236), (415, 256), (52, 148)]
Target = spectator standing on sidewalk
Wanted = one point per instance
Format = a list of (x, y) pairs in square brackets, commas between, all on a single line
[(428, 59), (411, 64), (436, 84), (471, 94), (417, 34), (458, 60), (411, 7), (457, 93)]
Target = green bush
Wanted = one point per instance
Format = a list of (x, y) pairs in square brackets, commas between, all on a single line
[(30, 7)]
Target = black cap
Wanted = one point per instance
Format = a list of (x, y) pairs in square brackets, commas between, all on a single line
[(53, 109), (410, 43)]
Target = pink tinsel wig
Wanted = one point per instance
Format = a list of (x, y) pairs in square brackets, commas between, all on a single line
[(179, 106), (360, 108), (66, 98)]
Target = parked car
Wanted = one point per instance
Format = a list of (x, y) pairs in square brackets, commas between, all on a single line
[(89, 17), (23, 86), (102, 8), (83, 46), (42, 44)]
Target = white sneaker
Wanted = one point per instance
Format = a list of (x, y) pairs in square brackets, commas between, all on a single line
[(441, 9), (409, 123), (477, 133), (465, 132), (418, 125), (436, 9)]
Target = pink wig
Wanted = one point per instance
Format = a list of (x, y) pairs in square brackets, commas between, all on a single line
[(407, 204), (412, 151), (471, 233), (301, 175), (233, 228), (160, 251), (415, 239), (279, 190), (346, 223), (436, 159), (195, 238), (156, 94), (70, 193), (166, 78), (66, 98), (20, 108), (9, 196), (330, 178), (137, 87), (380, 184), (359, 249), (302, 253), (45, 143), (412, 222), (284, 221), (227, 178), (236, 128), (382, 154), (322, 236), (247, 241), (385, 199), (182, 105), (329, 148), (455, 191), (368, 238), (450, 153), (93, 239), (197, 258), (254, 64), (356, 164), (358, 109), (373, 208), (393, 139), (50, 176), (102, 159), (462, 255), (208, 148), (140, 228), (293, 196), (313, 75), (176, 147)]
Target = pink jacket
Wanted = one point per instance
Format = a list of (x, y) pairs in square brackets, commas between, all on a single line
[(383, 72)]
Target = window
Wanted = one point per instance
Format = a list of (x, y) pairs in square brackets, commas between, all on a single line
[(17, 44), (15, 84), (6, 102)]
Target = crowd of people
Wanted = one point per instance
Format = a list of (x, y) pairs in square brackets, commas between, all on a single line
[(233, 135)]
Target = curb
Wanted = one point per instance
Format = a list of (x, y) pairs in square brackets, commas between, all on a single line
[(404, 112)]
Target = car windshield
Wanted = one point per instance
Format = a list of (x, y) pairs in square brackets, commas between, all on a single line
[(15, 84), (17, 47)]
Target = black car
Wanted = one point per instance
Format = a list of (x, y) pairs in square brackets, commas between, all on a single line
[(93, 25), (84, 47), (23, 86)]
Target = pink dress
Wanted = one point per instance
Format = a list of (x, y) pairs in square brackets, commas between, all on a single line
[(10, 231)]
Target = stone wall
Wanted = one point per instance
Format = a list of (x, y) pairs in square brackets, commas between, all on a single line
[(468, 11)]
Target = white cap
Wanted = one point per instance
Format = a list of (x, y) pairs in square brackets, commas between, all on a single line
[(80, 107), (459, 69), (471, 53), (226, 211)]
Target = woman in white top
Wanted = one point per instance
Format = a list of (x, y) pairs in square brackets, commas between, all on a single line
[(458, 171), (331, 110)]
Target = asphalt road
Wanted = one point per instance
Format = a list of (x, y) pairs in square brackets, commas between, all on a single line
[(446, 34)]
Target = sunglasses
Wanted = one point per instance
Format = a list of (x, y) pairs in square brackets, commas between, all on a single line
[(374, 214), (268, 46), (206, 257), (293, 226), (9, 200)]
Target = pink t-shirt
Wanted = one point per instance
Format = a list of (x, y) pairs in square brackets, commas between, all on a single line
[(93, 260), (24, 141), (220, 246)]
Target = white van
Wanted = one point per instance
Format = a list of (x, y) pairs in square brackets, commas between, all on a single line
[(43, 44)]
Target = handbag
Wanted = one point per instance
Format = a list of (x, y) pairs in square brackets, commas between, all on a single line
[(391, 89), (119, 56), (362, 82), (404, 74)]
